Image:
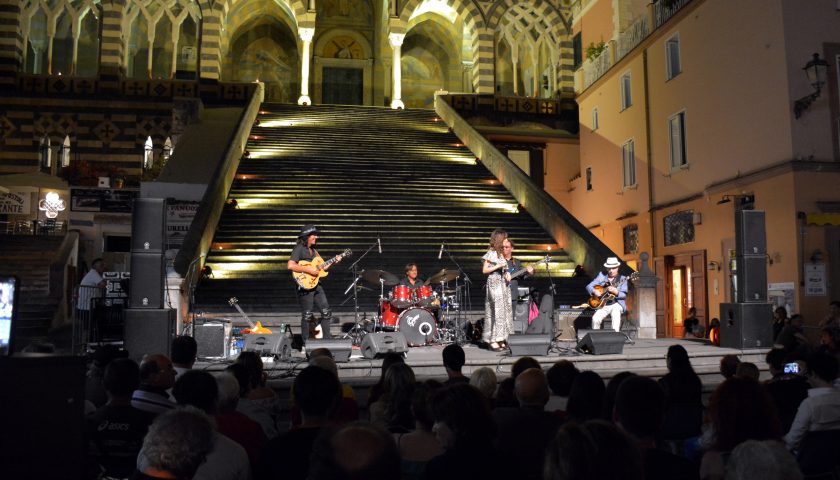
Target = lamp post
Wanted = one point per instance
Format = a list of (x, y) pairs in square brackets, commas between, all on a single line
[(816, 70)]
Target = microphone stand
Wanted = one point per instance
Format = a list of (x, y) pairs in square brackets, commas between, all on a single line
[(460, 334), (354, 268)]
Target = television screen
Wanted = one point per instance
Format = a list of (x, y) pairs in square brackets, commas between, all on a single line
[(8, 294)]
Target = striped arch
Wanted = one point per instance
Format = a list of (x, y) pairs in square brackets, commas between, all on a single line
[(11, 44), (559, 30), (482, 40)]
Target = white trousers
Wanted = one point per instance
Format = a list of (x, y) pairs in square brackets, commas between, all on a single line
[(614, 311)]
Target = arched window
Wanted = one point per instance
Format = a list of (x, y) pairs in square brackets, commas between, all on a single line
[(148, 154), (168, 150), (65, 152), (45, 152), (61, 36)]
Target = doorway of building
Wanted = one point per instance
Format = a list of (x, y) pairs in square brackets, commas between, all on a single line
[(343, 86), (681, 285)]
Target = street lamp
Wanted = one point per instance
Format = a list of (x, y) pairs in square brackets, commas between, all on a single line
[(816, 71)]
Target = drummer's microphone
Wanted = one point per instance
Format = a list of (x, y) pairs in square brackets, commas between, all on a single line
[(379, 244), (440, 253)]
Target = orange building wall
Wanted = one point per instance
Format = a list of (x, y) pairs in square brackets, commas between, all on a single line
[(596, 24)]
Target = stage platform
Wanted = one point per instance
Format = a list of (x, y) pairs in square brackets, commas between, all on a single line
[(643, 357)]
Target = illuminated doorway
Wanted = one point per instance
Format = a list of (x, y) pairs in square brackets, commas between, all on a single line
[(681, 285)]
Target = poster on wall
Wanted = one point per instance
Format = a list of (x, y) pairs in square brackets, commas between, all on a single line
[(781, 295), (15, 203), (815, 284), (179, 217)]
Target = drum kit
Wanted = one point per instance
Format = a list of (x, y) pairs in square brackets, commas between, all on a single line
[(426, 313)]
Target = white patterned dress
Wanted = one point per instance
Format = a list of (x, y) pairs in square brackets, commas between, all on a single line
[(498, 308)]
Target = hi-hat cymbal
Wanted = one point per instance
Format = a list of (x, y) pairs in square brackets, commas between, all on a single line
[(373, 276), (443, 276)]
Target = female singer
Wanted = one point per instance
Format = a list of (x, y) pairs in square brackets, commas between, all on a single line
[(498, 309)]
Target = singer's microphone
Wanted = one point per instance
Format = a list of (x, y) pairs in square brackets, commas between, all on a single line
[(440, 253), (379, 244)]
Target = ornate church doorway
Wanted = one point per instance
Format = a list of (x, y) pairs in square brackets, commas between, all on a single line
[(343, 86)]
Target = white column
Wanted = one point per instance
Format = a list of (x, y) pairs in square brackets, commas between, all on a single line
[(514, 60), (396, 41), (306, 35)]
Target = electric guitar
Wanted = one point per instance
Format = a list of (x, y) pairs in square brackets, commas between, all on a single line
[(254, 327), (524, 270), (307, 281), (601, 297)]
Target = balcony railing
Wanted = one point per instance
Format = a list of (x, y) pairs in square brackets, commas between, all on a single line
[(632, 36), (662, 10), (658, 14)]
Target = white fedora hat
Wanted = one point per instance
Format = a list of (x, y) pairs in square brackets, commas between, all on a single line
[(612, 262)]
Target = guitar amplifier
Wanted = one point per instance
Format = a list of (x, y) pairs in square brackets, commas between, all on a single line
[(569, 320)]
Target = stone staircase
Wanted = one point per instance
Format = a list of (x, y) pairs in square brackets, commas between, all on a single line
[(29, 258), (362, 173)]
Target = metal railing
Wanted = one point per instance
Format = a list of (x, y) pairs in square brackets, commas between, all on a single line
[(632, 36), (595, 69), (33, 227), (96, 319), (664, 10)]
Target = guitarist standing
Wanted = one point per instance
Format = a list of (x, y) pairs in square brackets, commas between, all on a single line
[(310, 298), (615, 293), (513, 265)]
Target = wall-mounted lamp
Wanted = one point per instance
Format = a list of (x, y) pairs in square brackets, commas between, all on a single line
[(713, 266), (816, 71), (742, 202), (817, 256)]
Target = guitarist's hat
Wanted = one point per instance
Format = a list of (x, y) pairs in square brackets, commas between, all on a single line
[(612, 262), (307, 230)]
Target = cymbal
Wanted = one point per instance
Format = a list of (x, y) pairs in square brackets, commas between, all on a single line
[(443, 276), (373, 275)]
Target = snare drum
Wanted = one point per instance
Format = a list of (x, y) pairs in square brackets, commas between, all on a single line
[(423, 296), (388, 315), (401, 296), (418, 326)]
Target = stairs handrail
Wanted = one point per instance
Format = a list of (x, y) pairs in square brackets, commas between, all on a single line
[(578, 242), (200, 235)]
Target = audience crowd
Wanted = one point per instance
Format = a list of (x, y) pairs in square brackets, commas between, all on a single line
[(163, 419)]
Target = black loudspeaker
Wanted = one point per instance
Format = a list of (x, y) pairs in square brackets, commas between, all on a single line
[(149, 331), (278, 344), (340, 348), (750, 233), (148, 225), (542, 324), (379, 343), (146, 285), (746, 325), (529, 345), (43, 408), (521, 310), (599, 342), (210, 338), (751, 279)]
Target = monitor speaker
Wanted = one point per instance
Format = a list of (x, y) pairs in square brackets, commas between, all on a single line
[(379, 343), (146, 287), (210, 338), (529, 345), (149, 331), (750, 233), (751, 279), (148, 226), (598, 342), (746, 325), (340, 348), (278, 344)]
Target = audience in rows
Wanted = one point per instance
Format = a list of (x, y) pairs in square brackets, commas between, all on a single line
[(559, 423)]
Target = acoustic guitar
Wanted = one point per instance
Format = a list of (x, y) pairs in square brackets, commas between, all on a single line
[(601, 297), (307, 281)]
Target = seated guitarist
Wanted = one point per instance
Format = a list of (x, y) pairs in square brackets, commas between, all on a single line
[(305, 251), (616, 290)]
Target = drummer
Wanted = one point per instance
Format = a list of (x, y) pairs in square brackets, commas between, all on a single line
[(411, 280)]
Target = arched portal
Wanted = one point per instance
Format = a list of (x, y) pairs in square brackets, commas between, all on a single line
[(431, 60), (265, 49)]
